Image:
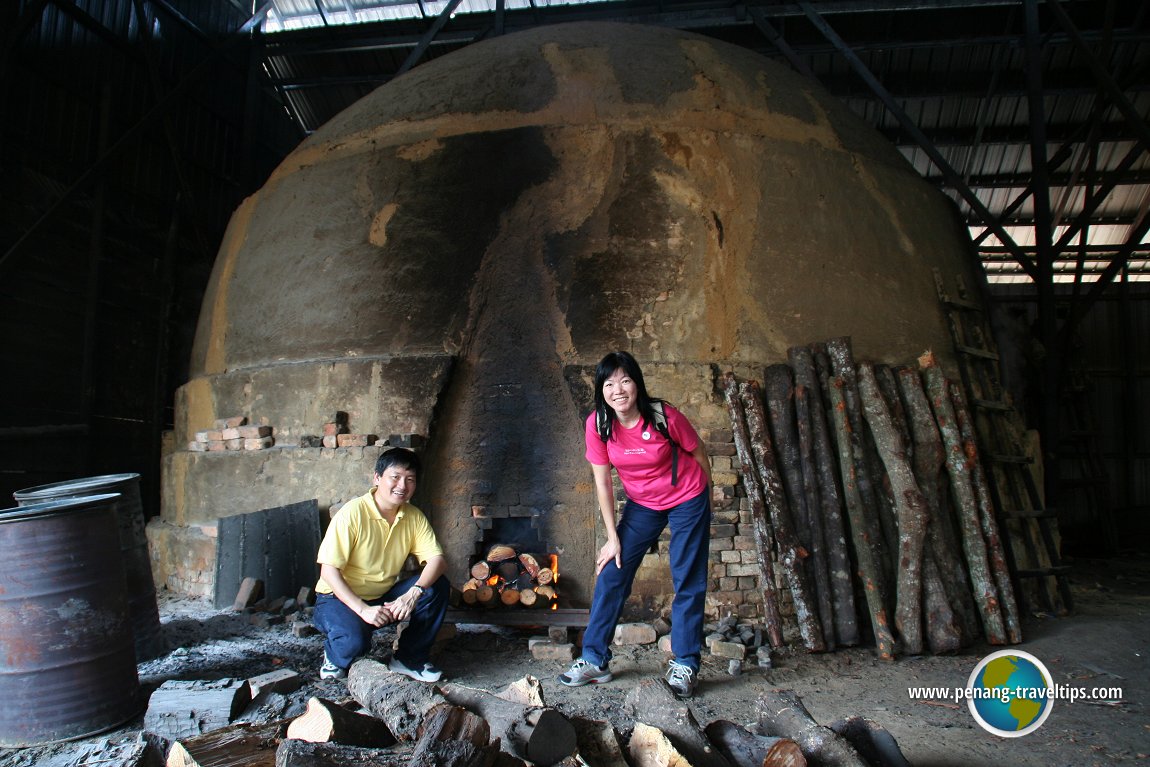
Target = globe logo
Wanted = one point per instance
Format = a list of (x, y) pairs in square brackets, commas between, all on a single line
[(1010, 693)]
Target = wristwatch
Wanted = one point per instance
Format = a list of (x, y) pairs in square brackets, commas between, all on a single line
[(421, 590)]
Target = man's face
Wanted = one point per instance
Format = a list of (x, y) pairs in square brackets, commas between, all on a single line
[(395, 486)]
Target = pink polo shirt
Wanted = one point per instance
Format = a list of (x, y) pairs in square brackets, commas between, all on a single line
[(644, 465)]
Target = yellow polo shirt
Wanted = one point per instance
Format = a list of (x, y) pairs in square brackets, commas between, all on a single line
[(368, 551)]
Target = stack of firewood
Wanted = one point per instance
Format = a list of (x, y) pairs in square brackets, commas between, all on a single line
[(865, 487), (402, 723), (507, 577)]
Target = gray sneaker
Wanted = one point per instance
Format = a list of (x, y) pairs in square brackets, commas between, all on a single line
[(583, 672), (682, 679), (331, 671)]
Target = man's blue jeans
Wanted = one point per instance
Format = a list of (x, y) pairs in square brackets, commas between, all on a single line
[(349, 637), (690, 544)]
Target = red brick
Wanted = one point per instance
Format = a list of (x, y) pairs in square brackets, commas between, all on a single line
[(230, 422), (354, 440), (329, 441), (259, 443), (234, 444), (198, 447), (255, 432), (230, 433)]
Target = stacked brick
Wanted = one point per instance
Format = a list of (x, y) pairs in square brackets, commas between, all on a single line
[(336, 433), (234, 433), (734, 586)]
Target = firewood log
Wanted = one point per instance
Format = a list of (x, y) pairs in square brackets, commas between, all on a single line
[(929, 463), (509, 596), (650, 747), (537, 734), (180, 709), (839, 566), (652, 703), (545, 576), (986, 513), (327, 722), (868, 567), (486, 596), (973, 544), (401, 702), (867, 476), (911, 508), (528, 597), (530, 564), (300, 753), (508, 570), (545, 591), (455, 737), (481, 570), (764, 536), (791, 553), (241, 744), (598, 743), (744, 748), (499, 553), (871, 740), (526, 691), (779, 394), (782, 714)]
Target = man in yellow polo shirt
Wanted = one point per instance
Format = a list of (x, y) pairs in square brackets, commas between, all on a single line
[(361, 560)]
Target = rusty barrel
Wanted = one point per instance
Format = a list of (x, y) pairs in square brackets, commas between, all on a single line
[(68, 666), (146, 631)]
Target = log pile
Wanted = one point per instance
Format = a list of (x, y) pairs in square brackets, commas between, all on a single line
[(846, 462), (393, 721), (506, 577)]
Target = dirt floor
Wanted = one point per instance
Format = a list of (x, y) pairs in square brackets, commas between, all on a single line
[(1105, 643)]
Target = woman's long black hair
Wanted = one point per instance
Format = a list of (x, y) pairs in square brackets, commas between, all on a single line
[(604, 413)]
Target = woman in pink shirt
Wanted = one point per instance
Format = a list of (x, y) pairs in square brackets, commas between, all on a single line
[(666, 475)]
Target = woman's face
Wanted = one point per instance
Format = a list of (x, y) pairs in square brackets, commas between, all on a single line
[(619, 392)]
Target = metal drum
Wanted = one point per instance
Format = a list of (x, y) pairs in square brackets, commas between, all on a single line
[(145, 616), (68, 667)]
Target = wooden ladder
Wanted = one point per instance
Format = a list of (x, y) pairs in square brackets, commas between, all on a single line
[(1086, 479), (1015, 491)]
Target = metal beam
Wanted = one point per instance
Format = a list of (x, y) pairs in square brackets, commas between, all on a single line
[(129, 137), (421, 48), (917, 134)]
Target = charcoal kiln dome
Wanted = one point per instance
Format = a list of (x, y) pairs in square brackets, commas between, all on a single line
[(461, 240)]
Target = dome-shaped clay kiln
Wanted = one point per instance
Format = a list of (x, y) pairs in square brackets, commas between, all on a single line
[(447, 256)]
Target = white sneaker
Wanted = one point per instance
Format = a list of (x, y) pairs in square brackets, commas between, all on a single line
[(428, 673), (682, 679), (331, 671), (584, 672)]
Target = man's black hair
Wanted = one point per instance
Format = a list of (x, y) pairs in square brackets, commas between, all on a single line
[(398, 456)]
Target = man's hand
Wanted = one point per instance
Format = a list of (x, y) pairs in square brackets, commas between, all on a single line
[(378, 615), (404, 605)]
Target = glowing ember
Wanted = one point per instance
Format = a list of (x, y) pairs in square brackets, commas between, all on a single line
[(555, 568)]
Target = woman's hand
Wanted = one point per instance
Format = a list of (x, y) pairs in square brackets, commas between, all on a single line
[(610, 551)]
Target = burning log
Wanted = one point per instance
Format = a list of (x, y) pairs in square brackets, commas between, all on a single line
[(546, 592), (327, 722), (481, 571), (500, 552), (545, 576), (509, 596), (530, 564), (528, 597), (746, 749)]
